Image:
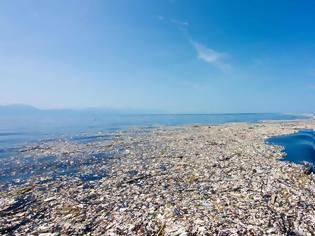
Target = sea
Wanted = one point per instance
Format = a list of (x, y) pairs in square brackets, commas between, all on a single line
[(298, 147), (20, 130)]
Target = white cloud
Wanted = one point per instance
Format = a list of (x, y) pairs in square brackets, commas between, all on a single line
[(180, 23), (212, 57)]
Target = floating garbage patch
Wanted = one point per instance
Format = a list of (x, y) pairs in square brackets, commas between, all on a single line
[(188, 180), (53, 159), (298, 147)]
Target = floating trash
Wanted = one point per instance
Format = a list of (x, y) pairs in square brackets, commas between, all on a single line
[(66, 170), (192, 180)]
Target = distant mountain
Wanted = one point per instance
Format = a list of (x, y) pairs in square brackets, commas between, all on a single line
[(17, 109), (21, 109)]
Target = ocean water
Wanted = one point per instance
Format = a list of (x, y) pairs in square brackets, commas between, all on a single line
[(18, 130), (298, 147)]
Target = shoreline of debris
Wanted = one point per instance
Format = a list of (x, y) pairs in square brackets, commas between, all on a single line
[(184, 180)]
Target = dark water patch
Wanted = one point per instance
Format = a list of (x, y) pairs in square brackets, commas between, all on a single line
[(46, 159), (6, 178), (91, 138), (132, 173), (298, 147), (91, 177), (163, 167), (3, 153), (20, 168), (88, 185), (17, 170), (7, 152)]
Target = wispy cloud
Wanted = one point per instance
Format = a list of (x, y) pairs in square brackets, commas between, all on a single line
[(212, 57), (209, 55), (173, 21), (179, 23)]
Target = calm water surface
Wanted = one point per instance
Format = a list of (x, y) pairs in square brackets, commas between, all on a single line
[(298, 147), (22, 129)]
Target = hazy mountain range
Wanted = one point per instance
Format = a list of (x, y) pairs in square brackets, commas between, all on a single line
[(27, 109)]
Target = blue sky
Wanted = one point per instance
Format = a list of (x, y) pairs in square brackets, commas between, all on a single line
[(175, 56)]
